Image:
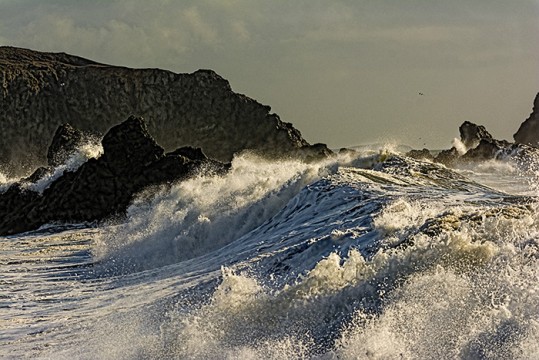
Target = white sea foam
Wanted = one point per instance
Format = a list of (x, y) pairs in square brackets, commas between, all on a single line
[(82, 154), (206, 212), (396, 303), (437, 299), (459, 145), (384, 258), (505, 175), (193, 217)]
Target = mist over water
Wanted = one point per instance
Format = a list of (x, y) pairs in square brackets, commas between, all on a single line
[(370, 256)]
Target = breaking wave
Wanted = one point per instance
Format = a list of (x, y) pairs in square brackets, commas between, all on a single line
[(367, 256)]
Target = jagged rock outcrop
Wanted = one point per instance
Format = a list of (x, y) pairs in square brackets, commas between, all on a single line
[(488, 149), (105, 186), (471, 134), (423, 154), (40, 91), (189, 152), (485, 147), (447, 157), (528, 132), (480, 146)]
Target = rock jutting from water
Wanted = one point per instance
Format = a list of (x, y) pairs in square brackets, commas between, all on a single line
[(102, 187), (479, 145), (471, 134), (528, 132), (41, 91)]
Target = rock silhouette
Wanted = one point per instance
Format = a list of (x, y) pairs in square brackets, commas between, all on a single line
[(471, 134), (101, 187), (528, 132), (481, 146), (41, 91)]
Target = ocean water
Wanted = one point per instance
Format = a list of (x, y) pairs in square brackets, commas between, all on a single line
[(371, 256)]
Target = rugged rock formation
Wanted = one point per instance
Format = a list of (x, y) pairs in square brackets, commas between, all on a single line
[(471, 134), (424, 154), (487, 150), (40, 91), (528, 133), (450, 156), (102, 187), (447, 157), (485, 147), (480, 146)]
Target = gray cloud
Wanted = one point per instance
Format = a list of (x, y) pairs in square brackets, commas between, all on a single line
[(344, 72)]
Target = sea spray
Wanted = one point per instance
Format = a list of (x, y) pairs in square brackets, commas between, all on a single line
[(194, 217), (89, 150), (5, 182), (459, 146), (244, 316), (402, 301), (201, 214), (365, 259)]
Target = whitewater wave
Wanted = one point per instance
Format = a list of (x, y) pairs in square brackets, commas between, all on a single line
[(367, 256), (193, 217), (91, 149)]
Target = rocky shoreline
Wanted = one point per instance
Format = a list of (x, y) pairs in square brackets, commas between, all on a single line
[(72, 100), (103, 187), (41, 91), (188, 112), (477, 144)]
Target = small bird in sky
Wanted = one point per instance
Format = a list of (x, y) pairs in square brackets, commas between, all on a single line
[(421, 94)]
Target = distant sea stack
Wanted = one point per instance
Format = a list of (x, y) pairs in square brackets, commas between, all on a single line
[(41, 91), (528, 133)]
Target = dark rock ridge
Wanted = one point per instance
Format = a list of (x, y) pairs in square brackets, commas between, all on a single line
[(41, 91), (528, 133), (480, 146), (102, 187), (420, 154)]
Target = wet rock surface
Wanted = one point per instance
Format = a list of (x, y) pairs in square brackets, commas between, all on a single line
[(447, 157), (102, 187), (480, 145)]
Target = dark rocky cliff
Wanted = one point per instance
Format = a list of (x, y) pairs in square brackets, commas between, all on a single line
[(528, 133), (40, 91)]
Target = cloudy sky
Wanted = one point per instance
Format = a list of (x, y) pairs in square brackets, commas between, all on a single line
[(344, 72)]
